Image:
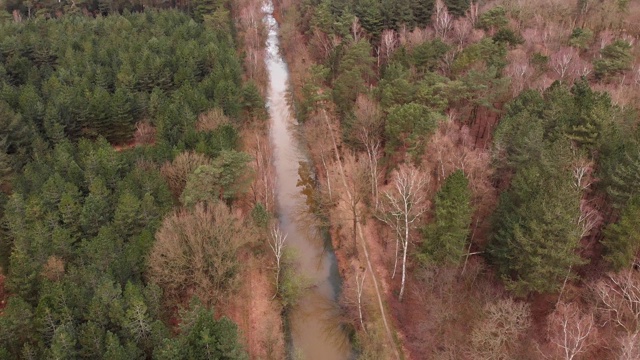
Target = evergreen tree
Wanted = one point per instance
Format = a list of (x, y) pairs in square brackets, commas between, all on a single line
[(445, 238), (408, 126), (622, 239), (370, 16), (615, 58), (122, 117), (536, 229), (227, 177), (96, 211)]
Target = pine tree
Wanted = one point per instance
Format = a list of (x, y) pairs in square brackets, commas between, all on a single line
[(122, 120), (408, 126), (536, 231), (446, 237), (622, 239), (624, 178), (615, 58), (126, 219), (96, 210), (423, 10), (369, 14)]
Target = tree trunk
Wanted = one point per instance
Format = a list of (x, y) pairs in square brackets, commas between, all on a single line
[(405, 245)]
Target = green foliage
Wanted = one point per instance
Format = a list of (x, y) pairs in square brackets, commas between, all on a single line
[(293, 285), (202, 337), (225, 179), (427, 56), (536, 228), (409, 126), (622, 239), (370, 16), (493, 19), (581, 38), (114, 72), (81, 218), (445, 238), (396, 86), (354, 73), (536, 225), (486, 53), (615, 58), (397, 13), (622, 173), (508, 36), (579, 114), (76, 245), (260, 216)]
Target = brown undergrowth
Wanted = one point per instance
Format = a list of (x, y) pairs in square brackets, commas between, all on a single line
[(252, 308)]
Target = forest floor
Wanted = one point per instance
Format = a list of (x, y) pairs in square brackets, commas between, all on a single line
[(372, 260), (257, 316)]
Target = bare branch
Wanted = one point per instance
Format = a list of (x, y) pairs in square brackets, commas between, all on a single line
[(571, 331), (276, 243), (402, 209)]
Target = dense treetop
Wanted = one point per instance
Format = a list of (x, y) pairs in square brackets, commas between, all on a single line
[(80, 217)]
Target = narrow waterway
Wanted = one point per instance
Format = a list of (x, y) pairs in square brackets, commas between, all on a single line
[(315, 328)]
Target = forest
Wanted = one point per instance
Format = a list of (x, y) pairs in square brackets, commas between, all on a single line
[(130, 195), (479, 169), (475, 163)]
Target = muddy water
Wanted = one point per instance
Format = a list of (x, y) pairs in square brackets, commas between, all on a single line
[(315, 329)]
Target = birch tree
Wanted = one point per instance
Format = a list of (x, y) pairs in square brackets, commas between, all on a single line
[(402, 209), (571, 331), (359, 287), (277, 242), (561, 61), (443, 21), (619, 296)]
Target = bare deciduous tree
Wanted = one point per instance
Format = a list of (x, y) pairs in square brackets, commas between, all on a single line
[(619, 296), (472, 13), (318, 135), (629, 346), (368, 129), (145, 133), (571, 331), (589, 218), (323, 44), (388, 44), (581, 174), (402, 208), (357, 180), (211, 120), (53, 269), (519, 71), (504, 322), (462, 29), (356, 29), (582, 68), (138, 320), (263, 185), (252, 31), (195, 252), (636, 75), (443, 21), (276, 243), (561, 61), (359, 288), (177, 171)]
